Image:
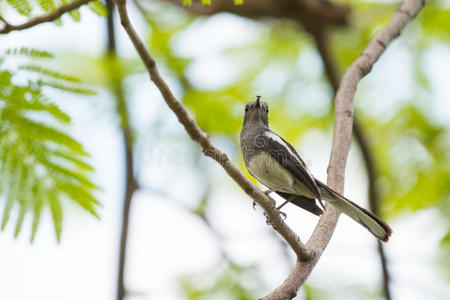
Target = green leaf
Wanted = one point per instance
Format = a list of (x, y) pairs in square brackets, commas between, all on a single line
[(13, 189), (29, 52), (75, 14), (57, 213), (66, 174), (98, 8), (76, 161), (47, 5), (21, 6), (41, 165), (38, 203), (20, 218), (50, 73), (67, 88), (26, 198)]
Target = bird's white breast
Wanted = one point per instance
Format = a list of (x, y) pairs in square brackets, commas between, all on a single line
[(270, 173), (273, 175)]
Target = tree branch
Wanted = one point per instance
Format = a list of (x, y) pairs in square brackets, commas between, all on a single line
[(309, 254), (208, 149), (310, 13), (43, 19), (341, 143), (116, 85), (321, 40)]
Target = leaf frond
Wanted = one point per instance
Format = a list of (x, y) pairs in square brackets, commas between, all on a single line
[(41, 165)]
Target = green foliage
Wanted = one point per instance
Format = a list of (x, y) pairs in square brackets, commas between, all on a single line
[(98, 8), (434, 20), (418, 168), (47, 5), (347, 292), (279, 44), (226, 281), (33, 53), (40, 164), (32, 8), (23, 7)]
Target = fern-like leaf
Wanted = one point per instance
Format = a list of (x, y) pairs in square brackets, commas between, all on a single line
[(50, 73), (41, 165), (47, 5), (66, 87), (98, 8), (57, 214), (21, 6), (38, 204), (28, 52), (75, 14)]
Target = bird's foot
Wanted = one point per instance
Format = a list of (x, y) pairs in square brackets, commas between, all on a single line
[(254, 204), (282, 214)]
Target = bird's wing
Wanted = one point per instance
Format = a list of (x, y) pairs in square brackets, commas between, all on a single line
[(286, 155)]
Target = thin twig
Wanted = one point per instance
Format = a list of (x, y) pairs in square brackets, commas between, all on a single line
[(208, 149), (341, 143), (45, 18)]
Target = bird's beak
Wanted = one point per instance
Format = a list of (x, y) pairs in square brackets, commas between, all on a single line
[(258, 103)]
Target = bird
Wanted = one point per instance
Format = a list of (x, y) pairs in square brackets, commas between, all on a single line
[(275, 163)]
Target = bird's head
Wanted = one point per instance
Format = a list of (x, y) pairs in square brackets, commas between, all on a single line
[(256, 112)]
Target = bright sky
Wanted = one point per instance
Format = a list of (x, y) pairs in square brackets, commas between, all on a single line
[(165, 240)]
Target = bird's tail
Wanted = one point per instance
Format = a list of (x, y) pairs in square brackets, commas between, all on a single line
[(364, 217)]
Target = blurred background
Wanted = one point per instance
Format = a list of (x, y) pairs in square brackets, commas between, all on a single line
[(85, 133)]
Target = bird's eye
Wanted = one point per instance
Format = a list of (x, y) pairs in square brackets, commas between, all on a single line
[(246, 108), (267, 109)]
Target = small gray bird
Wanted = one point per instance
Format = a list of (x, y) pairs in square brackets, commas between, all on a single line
[(276, 164)]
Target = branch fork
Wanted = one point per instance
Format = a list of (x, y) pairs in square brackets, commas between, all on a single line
[(309, 254)]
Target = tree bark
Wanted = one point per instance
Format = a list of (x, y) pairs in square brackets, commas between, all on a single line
[(322, 44)]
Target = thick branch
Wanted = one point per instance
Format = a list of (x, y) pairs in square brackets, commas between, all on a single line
[(341, 143), (46, 18), (361, 67), (202, 138), (330, 67)]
